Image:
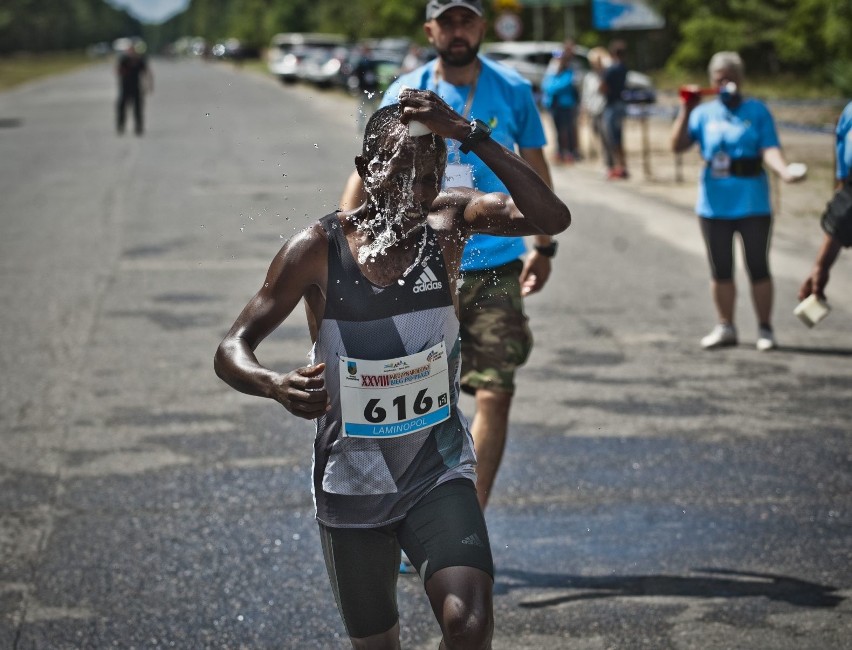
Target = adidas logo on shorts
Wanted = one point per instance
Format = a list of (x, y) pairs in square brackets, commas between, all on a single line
[(473, 540), (427, 282)]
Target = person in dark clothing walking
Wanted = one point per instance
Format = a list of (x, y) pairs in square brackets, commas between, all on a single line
[(134, 81), (615, 110)]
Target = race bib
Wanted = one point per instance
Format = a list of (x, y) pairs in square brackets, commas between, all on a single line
[(720, 165), (394, 397), (458, 175)]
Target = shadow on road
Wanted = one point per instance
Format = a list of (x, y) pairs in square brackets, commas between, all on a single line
[(828, 352), (716, 583)]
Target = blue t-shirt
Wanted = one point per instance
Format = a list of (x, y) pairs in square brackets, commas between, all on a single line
[(743, 132), (559, 91), (505, 102), (844, 143)]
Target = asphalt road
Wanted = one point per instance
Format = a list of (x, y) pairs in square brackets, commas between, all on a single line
[(652, 496)]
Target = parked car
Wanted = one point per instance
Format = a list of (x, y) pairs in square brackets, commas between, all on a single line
[(324, 67), (530, 60), (287, 51)]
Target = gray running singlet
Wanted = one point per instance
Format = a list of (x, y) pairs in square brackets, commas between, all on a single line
[(371, 482)]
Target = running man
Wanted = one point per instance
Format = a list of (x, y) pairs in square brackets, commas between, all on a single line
[(394, 465)]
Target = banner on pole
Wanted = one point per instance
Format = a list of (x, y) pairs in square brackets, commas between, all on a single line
[(625, 14)]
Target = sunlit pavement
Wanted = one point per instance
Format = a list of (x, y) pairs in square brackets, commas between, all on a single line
[(652, 495)]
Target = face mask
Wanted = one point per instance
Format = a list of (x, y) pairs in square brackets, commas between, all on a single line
[(729, 93)]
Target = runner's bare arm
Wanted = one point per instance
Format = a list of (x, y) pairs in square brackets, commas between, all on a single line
[(298, 271), (533, 208)]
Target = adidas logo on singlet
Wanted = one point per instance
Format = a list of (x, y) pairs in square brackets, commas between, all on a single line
[(427, 282)]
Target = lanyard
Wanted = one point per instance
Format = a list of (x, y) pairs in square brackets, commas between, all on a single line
[(468, 104)]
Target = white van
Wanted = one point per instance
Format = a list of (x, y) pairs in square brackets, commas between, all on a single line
[(287, 51)]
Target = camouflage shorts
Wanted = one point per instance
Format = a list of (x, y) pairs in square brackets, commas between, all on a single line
[(495, 337)]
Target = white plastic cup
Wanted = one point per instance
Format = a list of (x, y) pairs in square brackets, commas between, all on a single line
[(417, 129), (797, 170), (812, 310)]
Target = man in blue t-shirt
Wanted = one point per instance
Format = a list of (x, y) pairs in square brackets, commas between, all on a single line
[(837, 220), (495, 336)]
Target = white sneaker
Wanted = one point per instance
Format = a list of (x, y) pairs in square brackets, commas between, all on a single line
[(765, 340), (722, 335)]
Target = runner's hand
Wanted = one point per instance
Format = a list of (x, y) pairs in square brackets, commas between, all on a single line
[(302, 392), (535, 273), (426, 107)]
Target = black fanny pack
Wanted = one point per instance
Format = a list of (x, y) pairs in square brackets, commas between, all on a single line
[(746, 167)]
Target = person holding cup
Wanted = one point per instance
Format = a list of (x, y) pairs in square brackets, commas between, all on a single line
[(837, 219), (738, 141)]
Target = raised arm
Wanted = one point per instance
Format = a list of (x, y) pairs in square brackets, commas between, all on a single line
[(298, 271), (532, 209), (680, 139)]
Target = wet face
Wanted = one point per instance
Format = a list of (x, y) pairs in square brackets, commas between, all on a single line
[(404, 177), (456, 35), (402, 181)]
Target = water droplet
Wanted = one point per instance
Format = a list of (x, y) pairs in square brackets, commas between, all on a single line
[(316, 146)]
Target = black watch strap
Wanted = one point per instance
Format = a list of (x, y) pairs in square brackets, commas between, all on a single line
[(479, 131), (547, 251)]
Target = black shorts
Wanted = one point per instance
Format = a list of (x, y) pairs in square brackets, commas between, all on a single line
[(719, 239), (444, 529)]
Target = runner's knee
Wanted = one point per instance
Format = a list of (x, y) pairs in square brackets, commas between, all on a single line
[(466, 626)]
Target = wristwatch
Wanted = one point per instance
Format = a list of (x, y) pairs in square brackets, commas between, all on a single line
[(479, 131), (547, 251)]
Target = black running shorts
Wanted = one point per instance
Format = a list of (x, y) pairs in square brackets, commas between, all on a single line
[(444, 529), (719, 239)]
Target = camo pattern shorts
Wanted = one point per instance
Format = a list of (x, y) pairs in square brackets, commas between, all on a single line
[(495, 335)]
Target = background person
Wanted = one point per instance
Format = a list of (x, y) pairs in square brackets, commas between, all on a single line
[(615, 109), (737, 138), (496, 338), (361, 275), (134, 81), (837, 219), (561, 99), (593, 101)]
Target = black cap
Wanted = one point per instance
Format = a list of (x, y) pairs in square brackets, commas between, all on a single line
[(436, 7)]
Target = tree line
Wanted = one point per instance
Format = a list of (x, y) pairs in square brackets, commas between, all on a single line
[(810, 38), (60, 25)]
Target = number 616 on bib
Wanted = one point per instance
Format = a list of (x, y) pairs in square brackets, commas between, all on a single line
[(394, 397)]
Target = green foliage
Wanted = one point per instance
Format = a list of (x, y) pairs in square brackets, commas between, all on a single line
[(53, 25), (806, 37)]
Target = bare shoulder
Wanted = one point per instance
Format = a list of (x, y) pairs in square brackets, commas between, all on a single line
[(447, 212), (304, 255)]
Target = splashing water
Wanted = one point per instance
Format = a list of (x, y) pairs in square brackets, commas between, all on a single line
[(386, 228)]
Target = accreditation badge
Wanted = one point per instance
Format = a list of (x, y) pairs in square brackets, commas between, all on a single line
[(720, 165), (458, 175), (394, 397)]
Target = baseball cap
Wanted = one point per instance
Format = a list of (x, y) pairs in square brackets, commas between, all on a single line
[(436, 7)]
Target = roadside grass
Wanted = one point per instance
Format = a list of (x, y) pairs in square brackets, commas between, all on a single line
[(21, 68)]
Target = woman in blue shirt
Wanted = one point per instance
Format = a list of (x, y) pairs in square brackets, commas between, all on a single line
[(737, 139)]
